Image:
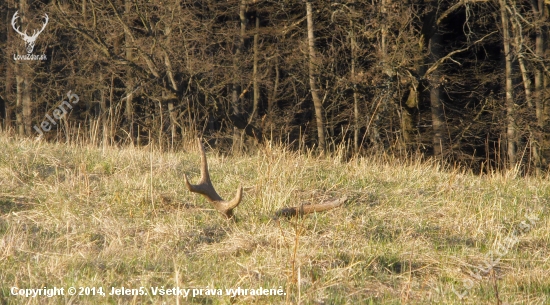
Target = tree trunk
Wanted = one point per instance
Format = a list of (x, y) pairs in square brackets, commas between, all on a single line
[(8, 94), (171, 112), (20, 88), (356, 127), (110, 132), (438, 116), (84, 10), (256, 101), (23, 72), (237, 143), (273, 95), (104, 114), (406, 114), (312, 79), (432, 41), (526, 80), (129, 107), (539, 10), (511, 138)]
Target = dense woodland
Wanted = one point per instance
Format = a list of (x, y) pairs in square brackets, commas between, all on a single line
[(464, 81)]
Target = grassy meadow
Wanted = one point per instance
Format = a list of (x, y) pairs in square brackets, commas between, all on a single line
[(409, 233)]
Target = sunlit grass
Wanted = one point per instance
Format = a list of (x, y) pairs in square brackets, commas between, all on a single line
[(409, 233)]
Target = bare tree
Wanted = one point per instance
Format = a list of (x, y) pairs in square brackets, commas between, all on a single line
[(541, 98), (381, 74), (129, 41), (256, 99), (511, 132), (312, 79), (23, 76), (438, 116)]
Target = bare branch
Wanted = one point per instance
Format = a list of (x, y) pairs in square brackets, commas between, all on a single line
[(448, 56), (124, 25), (455, 7)]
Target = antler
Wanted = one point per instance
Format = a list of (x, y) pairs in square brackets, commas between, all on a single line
[(309, 208), (206, 188), (13, 19)]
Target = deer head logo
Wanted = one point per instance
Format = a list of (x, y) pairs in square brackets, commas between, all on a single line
[(29, 40)]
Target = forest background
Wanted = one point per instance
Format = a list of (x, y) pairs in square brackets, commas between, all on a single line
[(464, 81)]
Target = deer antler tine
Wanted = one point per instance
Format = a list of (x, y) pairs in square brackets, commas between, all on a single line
[(16, 28), (45, 23), (206, 188), (233, 203), (205, 175), (309, 208)]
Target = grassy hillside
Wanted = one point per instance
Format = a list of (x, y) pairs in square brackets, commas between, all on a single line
[(409, 233)]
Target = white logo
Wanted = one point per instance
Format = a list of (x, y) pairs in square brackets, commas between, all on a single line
[(29, 40)]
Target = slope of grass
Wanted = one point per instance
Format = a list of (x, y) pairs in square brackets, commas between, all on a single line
[(410, 232)]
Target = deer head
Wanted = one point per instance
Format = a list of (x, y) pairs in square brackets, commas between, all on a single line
[(29, 40), (206, 189)]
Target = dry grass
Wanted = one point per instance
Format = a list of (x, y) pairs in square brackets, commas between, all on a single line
[(410, 232)]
